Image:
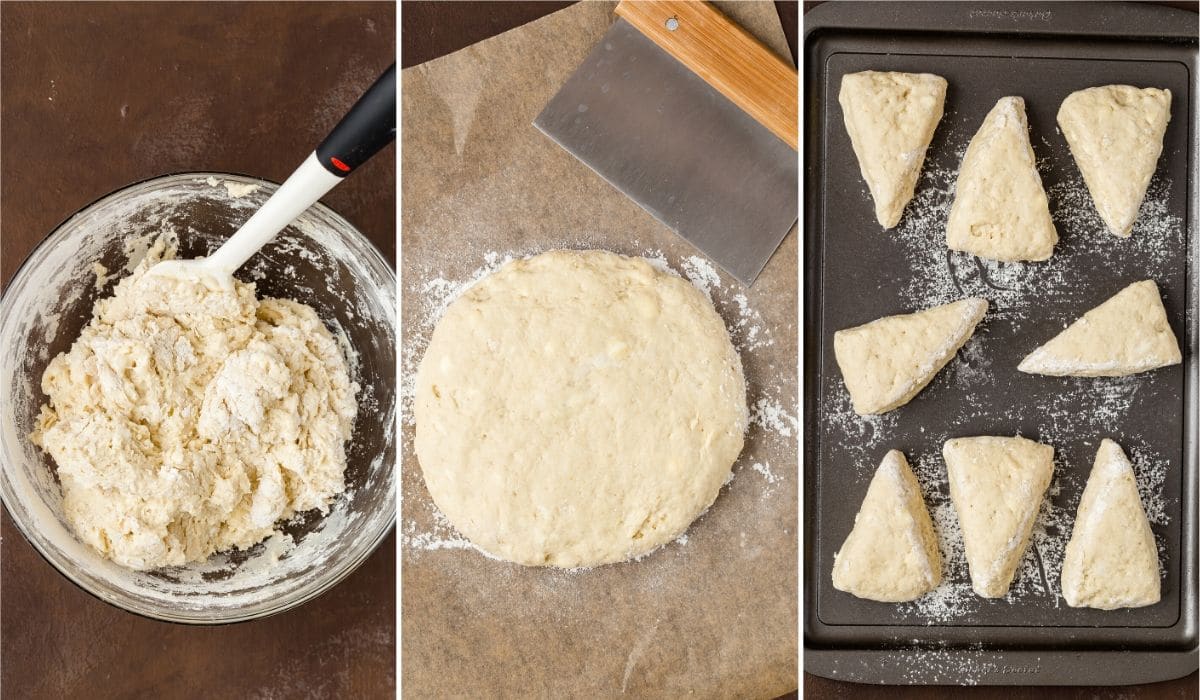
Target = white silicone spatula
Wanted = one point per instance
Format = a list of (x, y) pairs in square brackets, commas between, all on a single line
[(367, 127)]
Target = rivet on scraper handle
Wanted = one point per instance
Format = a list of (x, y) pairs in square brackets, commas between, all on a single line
[(725, 56), (684, 134)]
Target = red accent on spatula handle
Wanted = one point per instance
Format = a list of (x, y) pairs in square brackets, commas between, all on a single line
[(367, 127)]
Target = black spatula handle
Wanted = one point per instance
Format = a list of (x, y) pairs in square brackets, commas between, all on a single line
[(367, 127)]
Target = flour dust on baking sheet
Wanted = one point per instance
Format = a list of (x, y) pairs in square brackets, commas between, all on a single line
[(1018, 294)]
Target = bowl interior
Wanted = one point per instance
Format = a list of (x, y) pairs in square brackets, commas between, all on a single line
[(320, 260)]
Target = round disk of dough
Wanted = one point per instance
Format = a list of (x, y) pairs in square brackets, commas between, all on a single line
[(578, 408)]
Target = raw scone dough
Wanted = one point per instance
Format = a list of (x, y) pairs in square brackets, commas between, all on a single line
[(997, 485), (1111, 560), (890, 360), (891, 555), (1127, 334), (578, 408), (891, 118), (185, 421), (1000, 210), (1116, 135)]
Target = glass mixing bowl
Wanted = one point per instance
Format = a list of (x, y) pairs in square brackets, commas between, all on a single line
[(320, 260)]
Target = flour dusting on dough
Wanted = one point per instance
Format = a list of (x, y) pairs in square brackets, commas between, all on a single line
[(186, 421), (58, 282), (747, 328), (1017, 293)]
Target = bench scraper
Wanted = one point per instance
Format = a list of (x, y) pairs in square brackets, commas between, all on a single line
[(693, 119)]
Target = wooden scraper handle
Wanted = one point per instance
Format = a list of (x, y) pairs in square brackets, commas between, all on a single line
[(724, 56)]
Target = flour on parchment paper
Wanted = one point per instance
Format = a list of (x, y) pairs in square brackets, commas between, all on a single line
[(770, 415), (1016, 292), (764, 470), (747, 330)]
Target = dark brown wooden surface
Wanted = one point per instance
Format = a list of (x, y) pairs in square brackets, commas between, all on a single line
[(92, 98), (822, 688), (433, 29)]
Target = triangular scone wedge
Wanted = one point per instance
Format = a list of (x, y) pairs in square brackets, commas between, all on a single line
[(888, 361), (1116, 135), (997, 485), (1111, 560), (891, 555), (891, 118), (1000, 210), (1127, 334)]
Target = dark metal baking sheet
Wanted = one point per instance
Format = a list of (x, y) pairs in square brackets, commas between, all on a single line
[(855, 272)]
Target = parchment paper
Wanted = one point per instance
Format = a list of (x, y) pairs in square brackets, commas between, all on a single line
[(713, 615)]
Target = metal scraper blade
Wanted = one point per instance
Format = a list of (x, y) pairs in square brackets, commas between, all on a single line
[(681, 150)]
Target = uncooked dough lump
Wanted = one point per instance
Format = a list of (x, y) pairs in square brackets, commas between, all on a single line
[(186, 421), (578, 408)]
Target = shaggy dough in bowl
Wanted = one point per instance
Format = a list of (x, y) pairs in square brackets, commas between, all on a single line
[(185, 420), (578, 408)]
